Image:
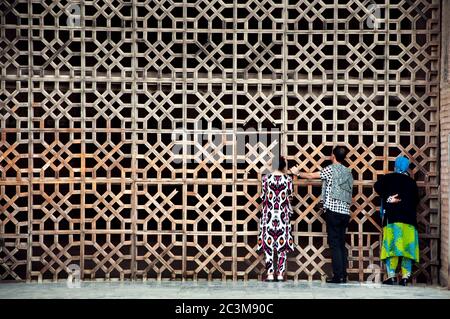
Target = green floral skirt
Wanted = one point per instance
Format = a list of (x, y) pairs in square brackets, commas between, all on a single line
[(400, 240)]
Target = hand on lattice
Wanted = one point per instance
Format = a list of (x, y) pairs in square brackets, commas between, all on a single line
[(295, 170)]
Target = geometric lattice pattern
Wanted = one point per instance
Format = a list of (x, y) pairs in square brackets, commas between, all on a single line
[(134, 133)]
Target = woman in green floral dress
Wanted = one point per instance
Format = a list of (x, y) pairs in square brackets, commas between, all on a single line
[(399, 198)]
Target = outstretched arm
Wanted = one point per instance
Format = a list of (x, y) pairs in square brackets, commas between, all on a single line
[(314, 175)]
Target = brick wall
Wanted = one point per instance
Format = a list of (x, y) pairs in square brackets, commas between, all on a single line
[(445, 131)]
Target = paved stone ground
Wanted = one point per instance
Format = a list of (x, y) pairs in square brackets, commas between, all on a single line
[(225, 290)]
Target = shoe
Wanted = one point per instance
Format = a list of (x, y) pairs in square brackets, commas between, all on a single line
[(404, 282), (390, 281), (280, 277), (336, 281), (269, 277)]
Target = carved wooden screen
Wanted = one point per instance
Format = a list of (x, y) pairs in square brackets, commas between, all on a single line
[(134, 133)]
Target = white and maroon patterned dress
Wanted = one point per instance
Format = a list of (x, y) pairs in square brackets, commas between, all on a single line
[(275, 226)]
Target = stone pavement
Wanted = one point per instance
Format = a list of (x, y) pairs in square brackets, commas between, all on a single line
[(218, 289)]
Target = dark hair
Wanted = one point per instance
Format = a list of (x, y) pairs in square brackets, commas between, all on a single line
[(282, 163), (340, 152)]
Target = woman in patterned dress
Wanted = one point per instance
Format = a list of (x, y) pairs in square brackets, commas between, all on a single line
[(275, 229)]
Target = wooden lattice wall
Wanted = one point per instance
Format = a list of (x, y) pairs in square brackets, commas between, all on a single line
[(92, 173)]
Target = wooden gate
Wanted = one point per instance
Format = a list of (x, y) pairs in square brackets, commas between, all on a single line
[(134, 133)]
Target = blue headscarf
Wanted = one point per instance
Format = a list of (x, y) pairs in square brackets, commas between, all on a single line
[(401, 166)]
